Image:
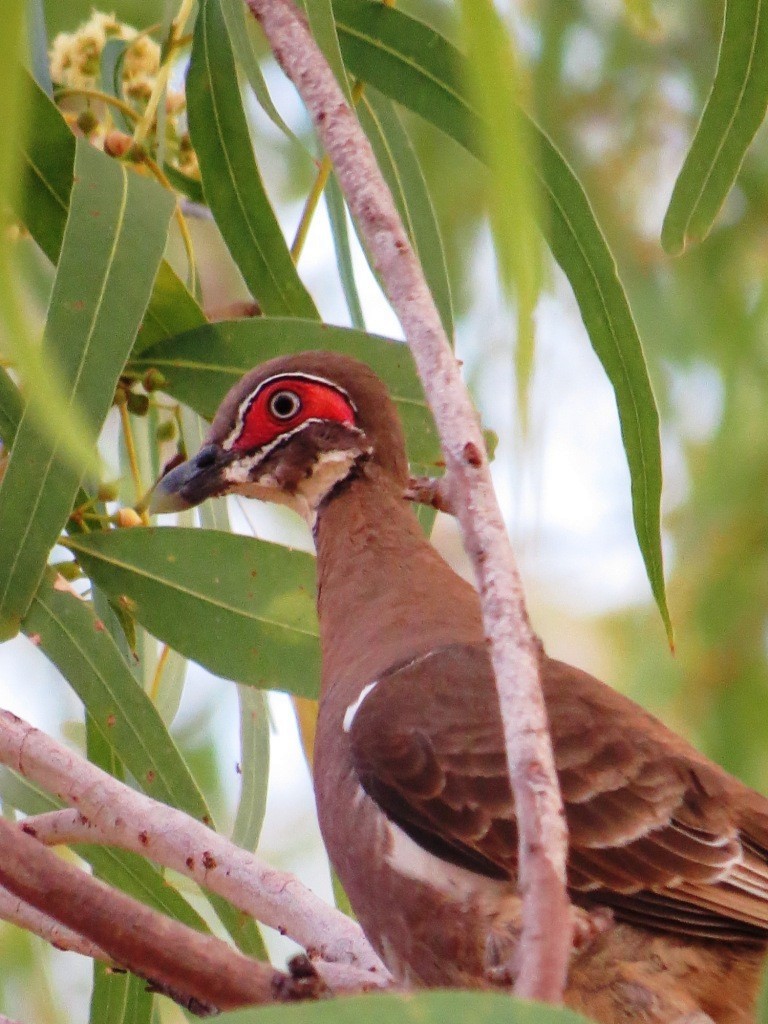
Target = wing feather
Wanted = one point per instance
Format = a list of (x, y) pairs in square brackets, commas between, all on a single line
[(652, 829)]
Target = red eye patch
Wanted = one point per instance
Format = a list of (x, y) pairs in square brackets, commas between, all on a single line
[(282, 404)]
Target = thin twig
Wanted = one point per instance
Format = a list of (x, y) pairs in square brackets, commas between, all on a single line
[(122, 817), (431, 490), (546, 937)]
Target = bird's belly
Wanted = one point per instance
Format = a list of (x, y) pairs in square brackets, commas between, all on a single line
[(433, 923)]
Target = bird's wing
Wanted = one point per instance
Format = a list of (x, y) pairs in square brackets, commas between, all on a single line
[(652, 827)]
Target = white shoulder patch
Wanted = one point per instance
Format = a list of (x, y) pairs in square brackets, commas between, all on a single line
[(349, 714)]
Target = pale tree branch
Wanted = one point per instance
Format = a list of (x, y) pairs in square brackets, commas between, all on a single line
[(541, 964), (169, 837)]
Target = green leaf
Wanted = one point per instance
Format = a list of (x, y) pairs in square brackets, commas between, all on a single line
[(400, 166), (46, 403), (112, 57), (494, 81), (251, 619), (190, 187), (99, 297), (254, 766), (243, 34), (734, 111), (48, 157), (202, 365), (119, 998), (87, 656), (231, 180), (413, 64), (172, 308), (38, 45), (337, 215), (11, 408), (454, 1006), (323, 28)]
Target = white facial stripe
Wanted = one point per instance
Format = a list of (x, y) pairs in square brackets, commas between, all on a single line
[(248, 401), (349, 714), (237, 472)]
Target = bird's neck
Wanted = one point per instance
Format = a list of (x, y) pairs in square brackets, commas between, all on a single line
[(384, 593)]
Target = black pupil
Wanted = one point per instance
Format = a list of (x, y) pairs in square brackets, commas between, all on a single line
[(285, 404)]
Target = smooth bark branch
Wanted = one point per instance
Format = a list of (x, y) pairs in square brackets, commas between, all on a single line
[(16, 911), (200, 970), (546, 937), (169, 837)]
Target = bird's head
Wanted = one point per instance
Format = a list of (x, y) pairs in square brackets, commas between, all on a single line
[(289, 431)]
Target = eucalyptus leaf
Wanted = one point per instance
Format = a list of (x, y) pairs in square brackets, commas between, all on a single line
[(112, 58), (242, 608), (231, 180), (71, 636), (48, 159), (321, 22), (337, 216), (400, 166), (734, 111), (415, 1008), (254, 766), (99, 297), (242, 29), (200, 367), (11, 408)]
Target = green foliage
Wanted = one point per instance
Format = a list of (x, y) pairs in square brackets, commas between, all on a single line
[(424, 1008), (231, 180), (98, 301), (735, 110), (253, 621)]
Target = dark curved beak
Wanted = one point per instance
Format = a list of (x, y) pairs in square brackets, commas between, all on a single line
[(192, 482)]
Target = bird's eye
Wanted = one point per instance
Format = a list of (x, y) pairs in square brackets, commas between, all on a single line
[(284, 405)]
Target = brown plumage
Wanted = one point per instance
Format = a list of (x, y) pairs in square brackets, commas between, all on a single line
[(410, 774)]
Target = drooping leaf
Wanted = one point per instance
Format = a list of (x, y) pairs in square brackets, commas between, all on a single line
[(71, 636), (253, 766), (11, 408), (243, 608), (42, 203), (337, 216), (495, 85), (400, 166), (112, 58), (231, 180), (243, 32), (38, 45), (99, 297), (202, 365), (323, 27), (416, 66), (734, 111), (46, 404)]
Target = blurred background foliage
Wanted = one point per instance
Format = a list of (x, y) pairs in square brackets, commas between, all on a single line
[(619, 87)]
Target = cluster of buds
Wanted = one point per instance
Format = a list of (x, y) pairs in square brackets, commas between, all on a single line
[(75, 62)]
